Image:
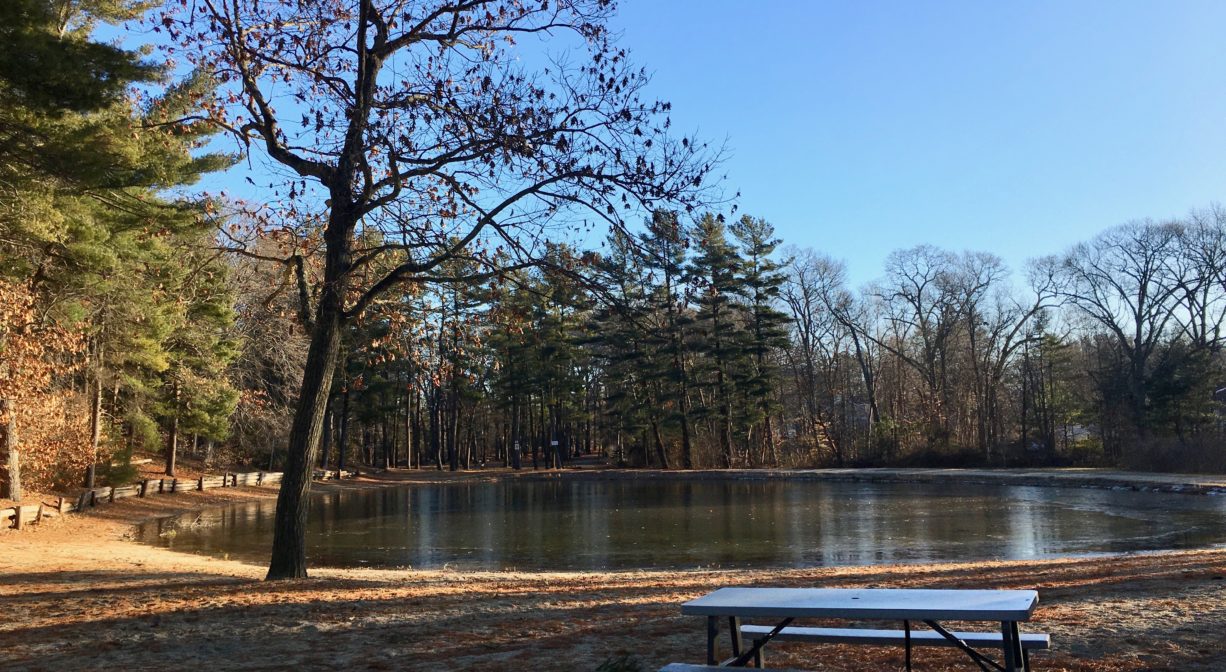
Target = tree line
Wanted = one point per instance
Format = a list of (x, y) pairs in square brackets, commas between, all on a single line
[(701, 344)]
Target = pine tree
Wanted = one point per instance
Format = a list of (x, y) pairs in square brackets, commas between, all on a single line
[(721, 338), (767, 325), (621, 344), (663, 250), (83, 221), (513, 377), (196, 395)]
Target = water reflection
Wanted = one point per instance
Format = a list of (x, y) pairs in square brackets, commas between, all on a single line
[(619, 524)]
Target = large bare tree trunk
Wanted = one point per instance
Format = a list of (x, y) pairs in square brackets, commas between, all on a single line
[(289, 530)]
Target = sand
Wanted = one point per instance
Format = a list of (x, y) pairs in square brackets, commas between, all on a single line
[(77, 593)]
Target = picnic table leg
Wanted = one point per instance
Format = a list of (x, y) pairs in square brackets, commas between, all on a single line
[(734, 624), (1020, 655), (1009, 642), (712, 634), (906, 632), (983, 663), (755, 651)]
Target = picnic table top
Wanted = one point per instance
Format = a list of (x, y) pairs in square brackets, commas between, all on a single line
[(867, 603)]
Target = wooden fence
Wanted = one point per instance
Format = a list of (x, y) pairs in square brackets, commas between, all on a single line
[(20, 516)]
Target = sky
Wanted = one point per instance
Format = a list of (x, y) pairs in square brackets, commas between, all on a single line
[(1018, 128)]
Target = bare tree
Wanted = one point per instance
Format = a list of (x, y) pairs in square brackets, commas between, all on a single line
[(829, 326), (1120, 281), (924, 310), (417, 120), (1197, 272), (809, 275), (998, 320)]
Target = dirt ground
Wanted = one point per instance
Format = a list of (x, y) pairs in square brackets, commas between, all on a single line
[(76, 593)]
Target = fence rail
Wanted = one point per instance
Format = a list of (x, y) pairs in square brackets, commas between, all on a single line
[(20, 516)]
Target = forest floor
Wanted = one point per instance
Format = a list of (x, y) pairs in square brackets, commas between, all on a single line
[(78, 594)]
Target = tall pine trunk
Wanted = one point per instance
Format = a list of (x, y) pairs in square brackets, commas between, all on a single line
[(453, 430), (342, 435), (435, 445), (95, 426), (8, 441), (515, 433), (326, 439), (411, 427), (661, 453), (172, 439)]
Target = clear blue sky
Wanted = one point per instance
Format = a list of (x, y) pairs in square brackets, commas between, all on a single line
[(1013, 127), (1018, 128)]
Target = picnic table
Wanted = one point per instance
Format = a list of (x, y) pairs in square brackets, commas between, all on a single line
[(783, 605)]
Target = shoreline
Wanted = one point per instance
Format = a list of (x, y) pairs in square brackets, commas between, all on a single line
[(1065, 477), (85, 596)]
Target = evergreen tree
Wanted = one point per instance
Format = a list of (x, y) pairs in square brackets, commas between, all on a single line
[(663, 248), (766, 324), (621, 343), (721, 338), (196, 395), (513, 379), (562, 314), (82, 219)]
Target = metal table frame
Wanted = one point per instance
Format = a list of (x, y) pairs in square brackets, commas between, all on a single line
[(1007, 607)]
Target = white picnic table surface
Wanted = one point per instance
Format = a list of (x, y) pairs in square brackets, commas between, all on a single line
[(867, 603), (1006, 607)]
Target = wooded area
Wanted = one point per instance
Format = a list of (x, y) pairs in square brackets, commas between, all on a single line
[(412, 290)]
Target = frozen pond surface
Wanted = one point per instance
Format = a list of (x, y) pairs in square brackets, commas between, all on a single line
[(593, 524)]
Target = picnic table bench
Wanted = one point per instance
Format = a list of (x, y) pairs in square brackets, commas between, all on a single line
[(927, 606)]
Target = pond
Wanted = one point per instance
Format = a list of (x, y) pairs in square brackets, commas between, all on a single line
[(597, 524)]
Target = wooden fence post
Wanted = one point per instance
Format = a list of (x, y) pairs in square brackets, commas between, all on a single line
[(111, 496), (18, 519), (259, 479), (200, 485), (62, 505)]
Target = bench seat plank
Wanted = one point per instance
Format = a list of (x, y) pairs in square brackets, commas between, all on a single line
[(889, 637)]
